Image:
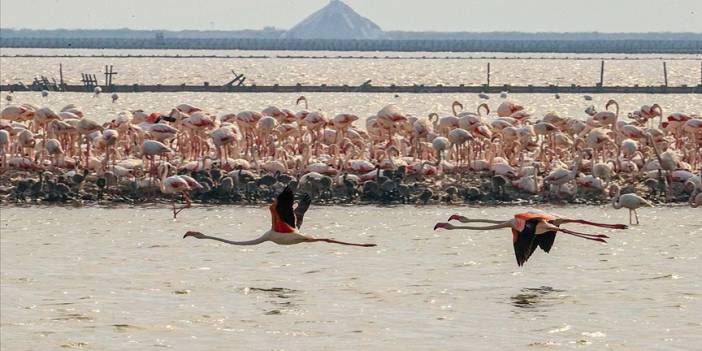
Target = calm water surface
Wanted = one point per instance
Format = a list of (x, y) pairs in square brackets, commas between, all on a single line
[(555, 69), (515, 69), (123, 278)]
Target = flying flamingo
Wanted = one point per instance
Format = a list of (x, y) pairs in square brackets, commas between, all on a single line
[(286, 222), (532, 229)]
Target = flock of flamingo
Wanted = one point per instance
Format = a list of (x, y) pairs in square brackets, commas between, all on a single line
[(191, 152)]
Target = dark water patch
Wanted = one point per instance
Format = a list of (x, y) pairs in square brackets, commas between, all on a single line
[(282, 297), (533, 298), (316, 322), (274, 290), (665, 276), (73, 317), (59, 304), (74, 345), (126, 327)]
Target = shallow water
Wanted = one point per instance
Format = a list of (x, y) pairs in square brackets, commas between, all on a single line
[(514, 69), (548, 69), (102, 109), (118, 278)]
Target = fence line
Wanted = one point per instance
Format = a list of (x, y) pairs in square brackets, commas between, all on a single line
[(367, 88)]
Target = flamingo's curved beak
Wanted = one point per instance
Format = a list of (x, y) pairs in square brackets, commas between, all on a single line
[(455, 217), (440, 225)]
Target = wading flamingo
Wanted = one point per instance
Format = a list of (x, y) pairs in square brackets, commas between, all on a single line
[(629, 201), (178, 184)]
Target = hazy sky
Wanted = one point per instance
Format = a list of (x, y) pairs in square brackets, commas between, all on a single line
[(432, 15)]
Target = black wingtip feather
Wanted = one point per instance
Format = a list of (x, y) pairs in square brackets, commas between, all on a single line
[(302, 206)]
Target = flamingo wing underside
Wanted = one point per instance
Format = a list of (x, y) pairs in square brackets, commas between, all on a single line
[(301, 208), (524, 245), (284, 207), (546, 240)]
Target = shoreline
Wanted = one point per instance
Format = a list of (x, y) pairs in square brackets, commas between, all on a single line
[(477, 189)]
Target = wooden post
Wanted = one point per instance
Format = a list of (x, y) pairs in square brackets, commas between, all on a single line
[(602, 74), (488, 74), (108, 75), (665, 74), (61, 74)]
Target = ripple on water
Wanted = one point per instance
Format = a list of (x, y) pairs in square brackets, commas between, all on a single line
[(596, 334), (560, 329), (389, 300)]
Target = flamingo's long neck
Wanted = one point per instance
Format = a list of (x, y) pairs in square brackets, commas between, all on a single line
[(501, 225), (453, 107), (615, 201), (468, 220), (434, 120), (487, 109), (660, 111), (576, 164), (256, 241), (164, 174)]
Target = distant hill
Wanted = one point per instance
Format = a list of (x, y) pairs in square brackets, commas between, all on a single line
[(335, 21), (337, 27)]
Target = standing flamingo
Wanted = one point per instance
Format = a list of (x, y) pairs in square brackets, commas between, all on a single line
[(178, 184), (507, 108), (695, 198), (286, 223), (629, 201), (532, 229)]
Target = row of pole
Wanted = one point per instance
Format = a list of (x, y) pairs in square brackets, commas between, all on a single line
[(602, 70), (109, 73)]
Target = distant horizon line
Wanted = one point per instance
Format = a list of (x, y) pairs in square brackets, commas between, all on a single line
[(275, 29)]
